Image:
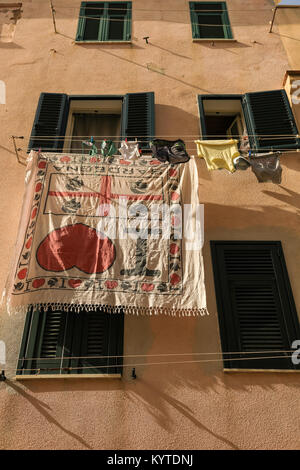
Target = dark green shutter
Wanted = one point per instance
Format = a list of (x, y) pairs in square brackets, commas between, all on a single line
[(52, 338), (98, 334), (255, 304), (43, 342), (138, 118), (194, 21), (270, 121), (206, 18), (50, 121)]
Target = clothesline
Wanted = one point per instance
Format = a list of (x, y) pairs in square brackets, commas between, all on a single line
[(161, 355), (197, 24), (167, 11), (109, 366), (196, 136), (190, 150)]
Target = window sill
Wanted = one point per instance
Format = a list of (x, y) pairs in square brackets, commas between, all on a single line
[(68, 376), (102, 42), (213, 40), (264, 370)]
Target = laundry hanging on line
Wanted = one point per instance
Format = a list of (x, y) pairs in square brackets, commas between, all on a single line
[(171, 151), (266, 167), (218, 154), (129, 150)]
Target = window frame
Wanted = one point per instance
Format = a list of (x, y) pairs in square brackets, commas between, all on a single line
[(227, 29), (103, 29), (228, 330), (254, 137), (201, 98), (73, 333), (132, 114)]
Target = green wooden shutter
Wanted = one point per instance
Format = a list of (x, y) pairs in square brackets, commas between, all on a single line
[(98, 334), (44, 342), (255, 304), (194, 21), (270, 121), (138, 118), (81, 22), (50, 121)]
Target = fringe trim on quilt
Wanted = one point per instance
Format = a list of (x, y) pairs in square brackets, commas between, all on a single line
[(132, 310)]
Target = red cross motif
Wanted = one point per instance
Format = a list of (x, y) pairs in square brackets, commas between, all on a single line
[(105, 195)]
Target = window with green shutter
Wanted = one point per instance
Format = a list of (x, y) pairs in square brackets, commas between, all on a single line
[(57, 342), (59, 116), (104, 21), (265, 117), (210, 20), (257, 314)]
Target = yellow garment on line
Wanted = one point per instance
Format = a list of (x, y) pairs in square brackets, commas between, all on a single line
[(218, 154)]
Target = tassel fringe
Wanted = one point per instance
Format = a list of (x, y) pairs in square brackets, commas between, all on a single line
[(115, 309)]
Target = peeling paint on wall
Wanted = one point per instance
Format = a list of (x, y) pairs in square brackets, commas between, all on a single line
[(8, 21)]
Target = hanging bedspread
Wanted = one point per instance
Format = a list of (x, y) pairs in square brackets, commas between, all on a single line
[(94, 232)]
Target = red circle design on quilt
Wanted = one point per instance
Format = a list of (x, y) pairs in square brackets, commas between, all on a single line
[(124, 162), (76, 245), (65, 159), (111, 284), (38, 283), (155, 162), (28, 244), (175, 196), (172, 172), (42, 165), (74, 283), (38, 187), (174, 248), (22, 273), (33, 213), (147, 287), (174, 279)]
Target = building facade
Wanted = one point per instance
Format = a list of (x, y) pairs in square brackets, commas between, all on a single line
[(200, 81)]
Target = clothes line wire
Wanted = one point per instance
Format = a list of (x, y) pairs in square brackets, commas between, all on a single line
[(160, 355), (123, 20), (196, 136), (109, 366), (167, 11)]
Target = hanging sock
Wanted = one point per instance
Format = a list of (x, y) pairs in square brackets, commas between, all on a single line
[(218, 154), (169, 151), (108, 148), (266, 167), (129, 150)]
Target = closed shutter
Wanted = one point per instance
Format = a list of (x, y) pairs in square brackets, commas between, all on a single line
[(50, 122), (270, 121), (51, 338), (99, 340), (138, 118), (43, 342), (257, 314)]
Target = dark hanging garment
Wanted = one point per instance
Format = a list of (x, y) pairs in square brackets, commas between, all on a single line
[(169, 151), (266, 167)]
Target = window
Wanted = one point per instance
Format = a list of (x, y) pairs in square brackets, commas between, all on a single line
[(266, 117), (59, 115), (56, 342), (257, 314), (210, 20), (104, 21)]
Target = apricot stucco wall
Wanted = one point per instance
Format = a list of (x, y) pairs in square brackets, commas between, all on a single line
[(187, 406)]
